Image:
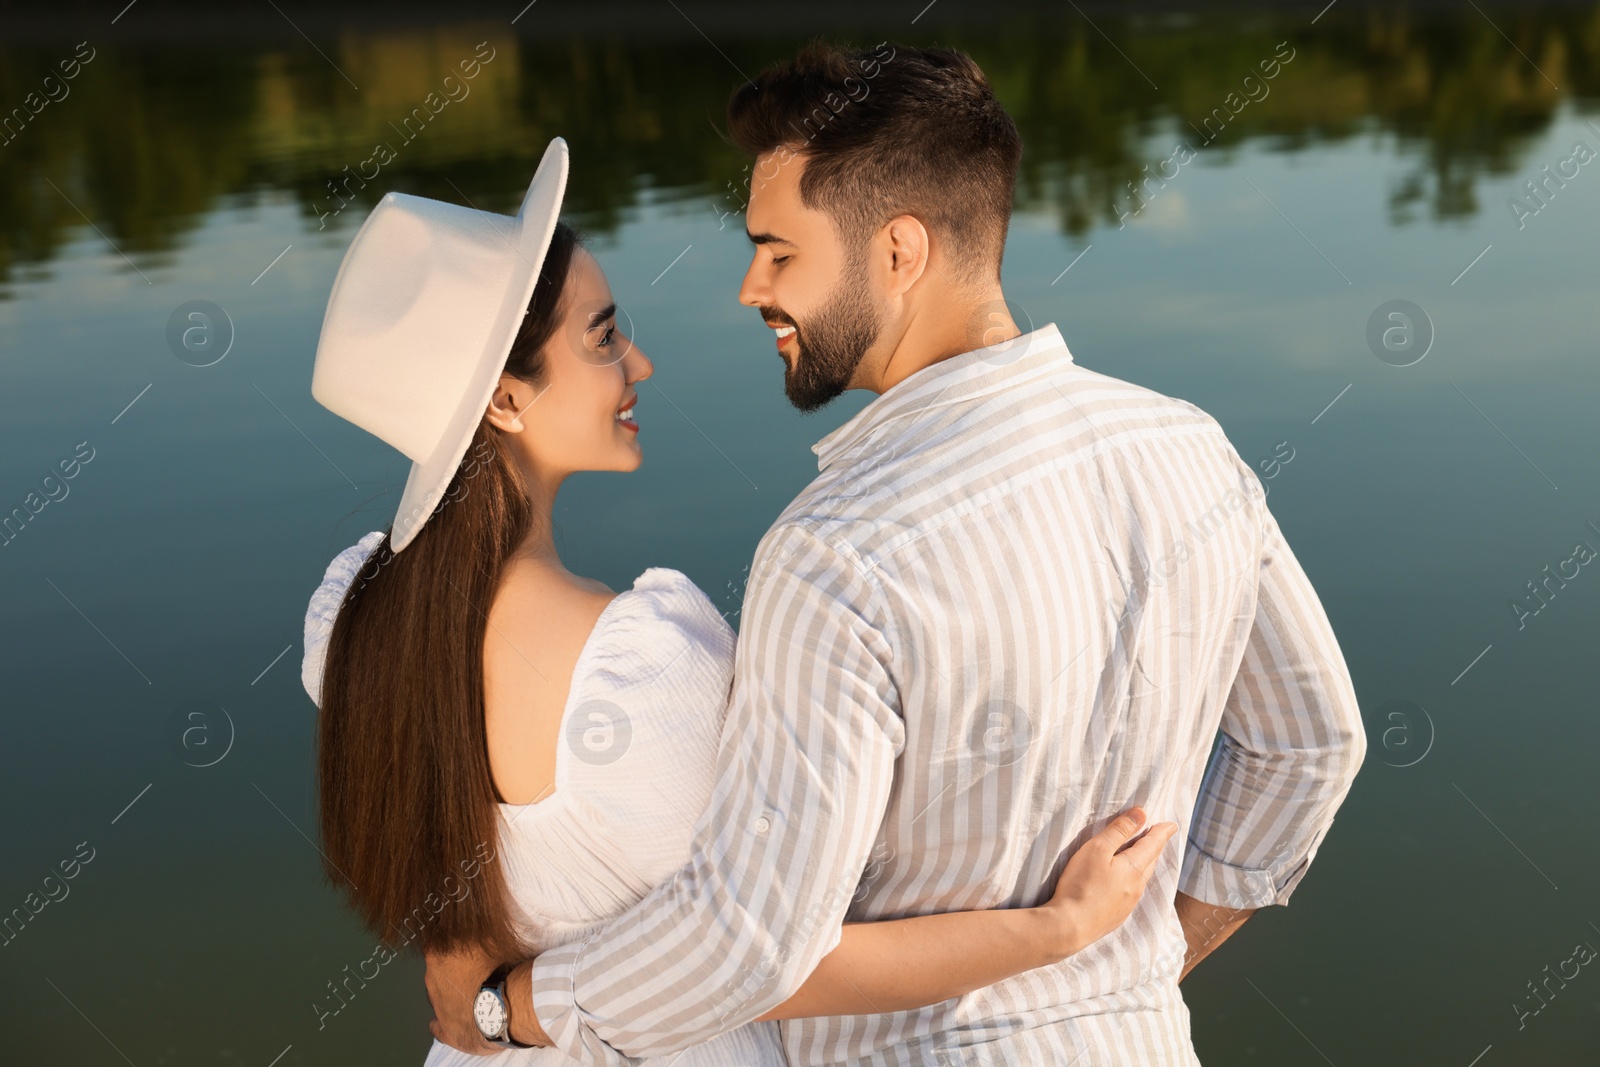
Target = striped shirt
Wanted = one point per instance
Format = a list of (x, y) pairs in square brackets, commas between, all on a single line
[(1019, 597)]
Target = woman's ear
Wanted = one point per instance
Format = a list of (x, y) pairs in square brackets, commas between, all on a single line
[(511, 400)]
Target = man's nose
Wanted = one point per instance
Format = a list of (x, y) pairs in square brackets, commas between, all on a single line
[(754, 291)]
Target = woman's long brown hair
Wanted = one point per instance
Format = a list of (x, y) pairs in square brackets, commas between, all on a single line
[(410, 829)]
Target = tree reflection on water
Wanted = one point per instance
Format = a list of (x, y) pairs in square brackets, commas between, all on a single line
[(155, 134)]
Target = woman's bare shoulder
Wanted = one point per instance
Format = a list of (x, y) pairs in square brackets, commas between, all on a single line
[(555, 611), (536, 630)]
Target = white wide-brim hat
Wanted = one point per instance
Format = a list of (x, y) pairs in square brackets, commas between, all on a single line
[(420, 321)]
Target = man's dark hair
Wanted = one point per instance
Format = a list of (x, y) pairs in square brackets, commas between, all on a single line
[(889, 131)]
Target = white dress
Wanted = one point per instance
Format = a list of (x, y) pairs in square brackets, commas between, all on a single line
[(634, 771)]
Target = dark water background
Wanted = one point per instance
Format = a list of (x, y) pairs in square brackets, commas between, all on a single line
[(190, 160)]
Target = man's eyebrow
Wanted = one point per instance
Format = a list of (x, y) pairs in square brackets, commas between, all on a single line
[(596, 318), (766, 238)]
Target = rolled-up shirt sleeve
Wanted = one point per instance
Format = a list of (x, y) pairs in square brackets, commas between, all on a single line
[(804, 770), (1290, 743)]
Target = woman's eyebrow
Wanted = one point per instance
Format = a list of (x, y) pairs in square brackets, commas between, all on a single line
[(596, 318)]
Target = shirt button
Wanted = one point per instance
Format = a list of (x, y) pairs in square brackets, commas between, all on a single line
[(763, 824)]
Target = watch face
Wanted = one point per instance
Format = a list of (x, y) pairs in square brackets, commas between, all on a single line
[(489, 1012)]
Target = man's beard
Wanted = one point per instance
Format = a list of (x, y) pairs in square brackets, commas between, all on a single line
[(831, 344)]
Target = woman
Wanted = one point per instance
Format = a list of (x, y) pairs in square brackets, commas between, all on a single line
[(474, 790)]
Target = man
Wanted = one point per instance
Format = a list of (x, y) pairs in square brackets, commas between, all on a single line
[(1019, 597)]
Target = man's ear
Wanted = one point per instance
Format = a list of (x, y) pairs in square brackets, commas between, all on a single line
[(510, 402), (908, 246)]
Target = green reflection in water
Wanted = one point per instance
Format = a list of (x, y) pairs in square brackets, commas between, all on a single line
[(148, 137)]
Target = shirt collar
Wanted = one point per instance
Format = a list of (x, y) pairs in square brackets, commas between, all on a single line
[(970, 374)]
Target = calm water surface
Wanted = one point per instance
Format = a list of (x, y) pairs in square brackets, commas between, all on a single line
[(1385, 161)]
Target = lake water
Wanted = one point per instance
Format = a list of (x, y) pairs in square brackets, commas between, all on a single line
[(1385, 160)]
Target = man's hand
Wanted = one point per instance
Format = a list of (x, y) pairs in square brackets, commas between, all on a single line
[(1205, 926), (453, 980)]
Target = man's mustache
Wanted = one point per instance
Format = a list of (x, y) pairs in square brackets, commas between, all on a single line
[(772, 314)]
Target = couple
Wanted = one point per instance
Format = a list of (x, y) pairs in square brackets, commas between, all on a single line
[(920, 813)]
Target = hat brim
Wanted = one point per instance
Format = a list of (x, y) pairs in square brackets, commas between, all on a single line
[(535, 225)]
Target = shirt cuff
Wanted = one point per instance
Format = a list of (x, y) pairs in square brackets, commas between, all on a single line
[(1214, 881), (555, 1005)]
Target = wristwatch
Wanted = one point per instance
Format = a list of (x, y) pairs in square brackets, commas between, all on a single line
[(492, 1012)]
